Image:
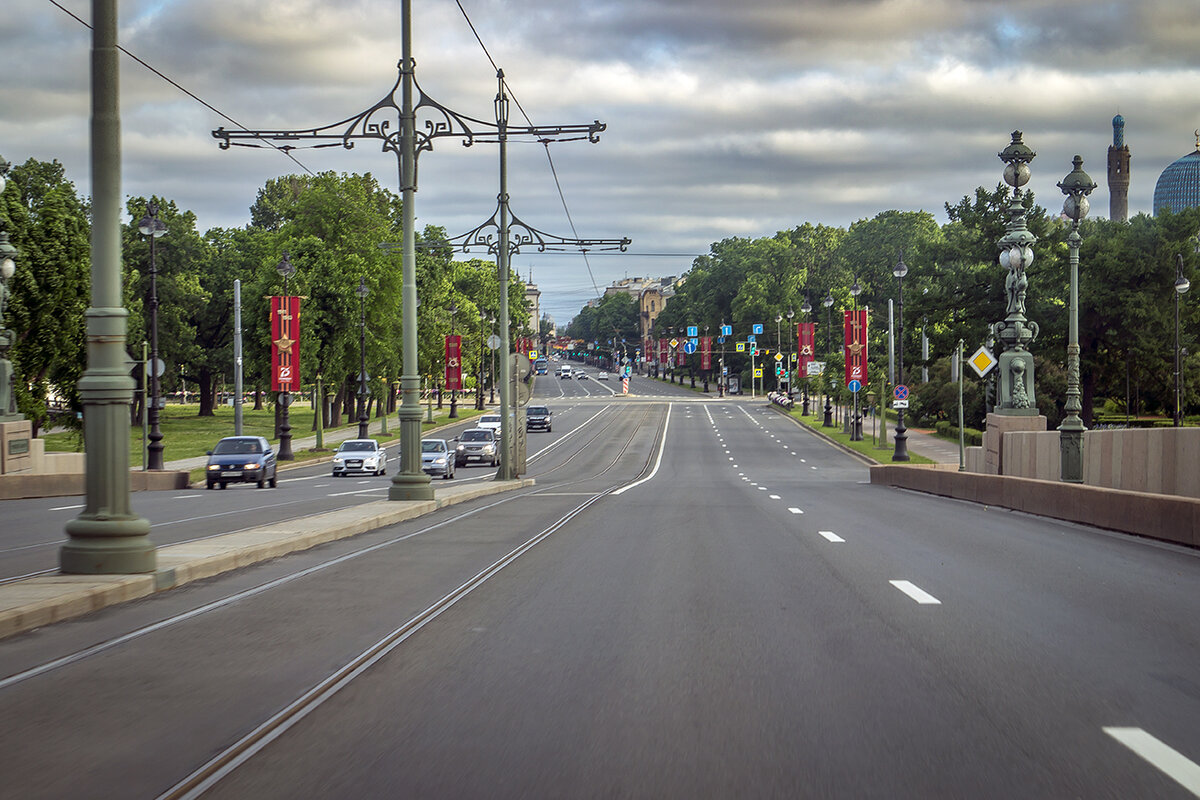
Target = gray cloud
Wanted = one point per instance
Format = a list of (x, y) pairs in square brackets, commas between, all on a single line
[(725, 119)]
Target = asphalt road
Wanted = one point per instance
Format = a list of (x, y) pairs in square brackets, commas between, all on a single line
[(698, 599)]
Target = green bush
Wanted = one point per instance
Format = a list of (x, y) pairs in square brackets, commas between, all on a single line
[(971, 437)]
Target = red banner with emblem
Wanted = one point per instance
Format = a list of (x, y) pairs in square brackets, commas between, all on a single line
[(806, 333), (856, 345), (664, 352), (454, 363), (285, 343), (705, 353)]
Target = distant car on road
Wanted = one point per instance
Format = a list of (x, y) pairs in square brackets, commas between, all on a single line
[(489, 421), (601, 376), (564, 371), (581, 376), (359, 457), (477, 444), (537, 417), (437, 458), (241, 459)]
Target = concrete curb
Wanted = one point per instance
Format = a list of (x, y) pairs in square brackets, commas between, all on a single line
[(870, 462), (34, 602)]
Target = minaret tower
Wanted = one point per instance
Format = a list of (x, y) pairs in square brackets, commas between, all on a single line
[(1118, 172)]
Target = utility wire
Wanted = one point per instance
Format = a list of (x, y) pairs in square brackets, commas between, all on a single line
[(187, 92), (545, 142)]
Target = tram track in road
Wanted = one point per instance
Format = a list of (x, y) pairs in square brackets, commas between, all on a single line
[(223, 602), (283, 518), (226, 762)]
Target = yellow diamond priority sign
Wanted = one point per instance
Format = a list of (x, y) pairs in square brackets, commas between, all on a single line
[(779, 356), (982, 361)]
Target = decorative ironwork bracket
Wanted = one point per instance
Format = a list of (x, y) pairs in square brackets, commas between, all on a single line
[(521, 234), (436, 122)]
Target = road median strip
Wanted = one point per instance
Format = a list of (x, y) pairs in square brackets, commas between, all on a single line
[(45, 599)]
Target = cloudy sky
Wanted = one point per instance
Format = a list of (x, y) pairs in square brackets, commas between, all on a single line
[(724, 118)]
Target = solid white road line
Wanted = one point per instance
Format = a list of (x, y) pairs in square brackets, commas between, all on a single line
[(831, 536), (66, 508), (658, 461), (916, 593), (1172, 763)]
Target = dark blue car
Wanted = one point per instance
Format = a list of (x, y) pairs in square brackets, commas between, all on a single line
[(241, 459)]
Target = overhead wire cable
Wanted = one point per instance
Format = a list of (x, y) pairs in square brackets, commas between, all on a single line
[(545, 142), (183, 89)]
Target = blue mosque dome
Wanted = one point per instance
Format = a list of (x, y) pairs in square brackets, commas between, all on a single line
[(1178, 186)]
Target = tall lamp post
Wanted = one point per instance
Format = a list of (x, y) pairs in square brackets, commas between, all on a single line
[(828, 303), (856, 421), (285, 268), (788, 359), (900, 453), (1182, 284), (8, 267), (153, 228), (362, 292), (454, 392), (805, 309), (1076, 186), (492, 370), (479, 376), (778, 347)]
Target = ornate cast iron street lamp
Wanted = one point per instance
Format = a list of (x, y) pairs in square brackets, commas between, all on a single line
[(900, 453), (1015, 394), (286, 269), (153, 228), (828, 303), (492, 369), (8, 267), (479, 376), (1182, 284), (362, 293), (1076, 186)]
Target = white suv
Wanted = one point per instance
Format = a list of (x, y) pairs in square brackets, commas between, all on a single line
[(489, 421)]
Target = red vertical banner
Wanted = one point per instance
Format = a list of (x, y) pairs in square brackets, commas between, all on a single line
[(806, 333), (680, 355), (705, 353), (664, 352), (454, 363), (285, 343), (856, 345)]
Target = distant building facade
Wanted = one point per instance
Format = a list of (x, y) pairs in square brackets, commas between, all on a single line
[(1118, 172)]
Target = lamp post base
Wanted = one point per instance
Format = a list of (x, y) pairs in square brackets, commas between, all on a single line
[(901, 439), (1070, 443), (410, 482), (285, 430)]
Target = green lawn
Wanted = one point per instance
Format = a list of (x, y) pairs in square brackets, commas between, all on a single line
[(868, 448)]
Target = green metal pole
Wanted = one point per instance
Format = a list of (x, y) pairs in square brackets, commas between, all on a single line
[(320, 403), (106, 537), (962, 437), (145, 399), (506, 471), (410, 482), (383, 431)]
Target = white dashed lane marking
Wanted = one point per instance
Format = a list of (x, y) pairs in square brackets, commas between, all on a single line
[(831, 536), (795, 510), (1172, 763), (916, 593)]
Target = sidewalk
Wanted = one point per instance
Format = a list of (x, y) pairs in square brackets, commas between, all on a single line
[(34, 602)]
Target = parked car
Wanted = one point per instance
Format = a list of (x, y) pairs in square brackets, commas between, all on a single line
[(359, 457), (437, 458), (601, 376), (477, 444), (489, 421), (537, 417), (241, 459)]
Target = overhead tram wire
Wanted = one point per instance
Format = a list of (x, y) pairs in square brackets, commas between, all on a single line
[(545, 143), (189, 93)]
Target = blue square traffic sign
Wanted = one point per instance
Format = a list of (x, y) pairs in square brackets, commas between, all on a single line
[(758, 328), (692, 331)]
